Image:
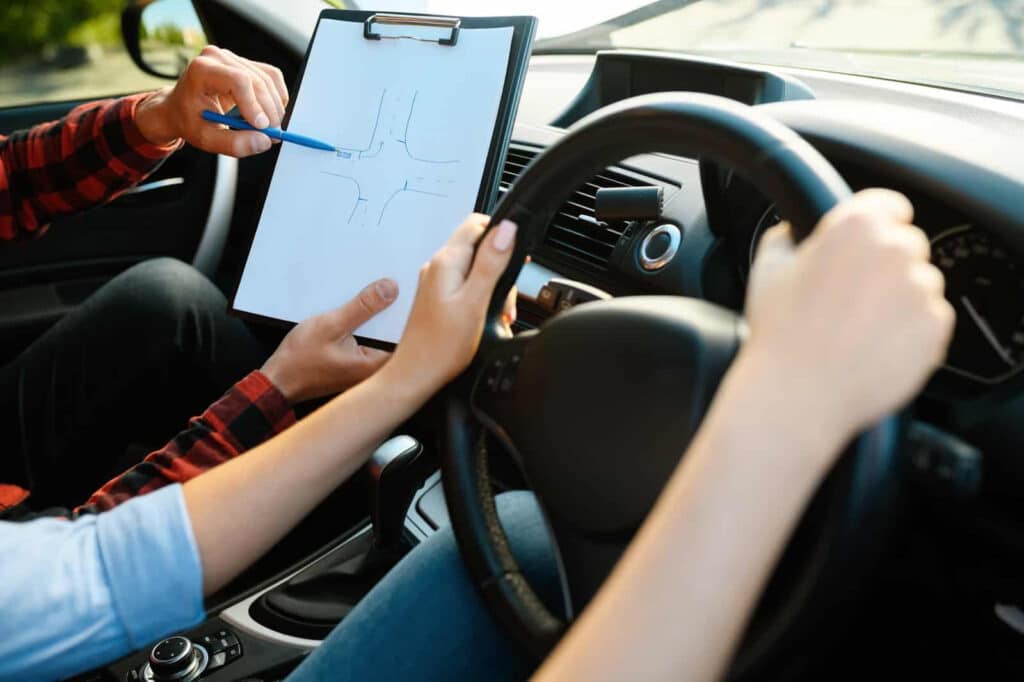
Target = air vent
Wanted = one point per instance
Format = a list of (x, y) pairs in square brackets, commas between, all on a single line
[(585, 243)]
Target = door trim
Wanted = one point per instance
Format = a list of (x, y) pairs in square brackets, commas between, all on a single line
[(218, 220)]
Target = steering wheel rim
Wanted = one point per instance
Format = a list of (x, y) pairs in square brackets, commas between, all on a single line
[(804, 186)]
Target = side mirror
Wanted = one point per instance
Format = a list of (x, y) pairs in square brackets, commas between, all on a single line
[(162, 36)]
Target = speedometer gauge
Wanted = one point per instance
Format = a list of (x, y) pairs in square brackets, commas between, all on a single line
[(986, 286)]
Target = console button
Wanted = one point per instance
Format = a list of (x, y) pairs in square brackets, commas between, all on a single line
[(547, 297), (217, 660), (212, 643), (492, 378), (508, 377), (657, 246)]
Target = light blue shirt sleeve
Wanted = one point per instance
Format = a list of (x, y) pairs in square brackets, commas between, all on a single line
[(77, 594)]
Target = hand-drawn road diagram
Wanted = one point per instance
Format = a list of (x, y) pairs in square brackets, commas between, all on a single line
[(413, 126), (388, 152)]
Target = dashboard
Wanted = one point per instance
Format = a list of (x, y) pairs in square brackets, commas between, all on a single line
[(984, 276), (959, 157), (966, 182)]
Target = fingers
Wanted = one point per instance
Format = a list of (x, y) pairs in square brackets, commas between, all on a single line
[(277, 78), (930, 279), (932, 320), (449, 267), (257, 89), (236, 83), (264, 86), (774, 251), (492, 257), (239, 143), (508, 312), (777, 239), (911, 241), (367, 303), (867, 207), (466, 235), (945, 317)]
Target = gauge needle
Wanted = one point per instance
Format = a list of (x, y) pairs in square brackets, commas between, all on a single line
[(987, 331)]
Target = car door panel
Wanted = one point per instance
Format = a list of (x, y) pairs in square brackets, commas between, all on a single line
[(169, 214)]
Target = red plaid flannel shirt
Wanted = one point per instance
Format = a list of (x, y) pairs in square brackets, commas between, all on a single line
[(248, 414), (252, 411), (89, 157), (67, 166)]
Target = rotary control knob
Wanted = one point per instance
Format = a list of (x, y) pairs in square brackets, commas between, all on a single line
[(175, 659)]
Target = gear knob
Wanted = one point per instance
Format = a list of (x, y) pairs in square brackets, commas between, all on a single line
[(398, 468)]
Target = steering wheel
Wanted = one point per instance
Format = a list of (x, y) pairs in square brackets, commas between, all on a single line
[(598, 405)]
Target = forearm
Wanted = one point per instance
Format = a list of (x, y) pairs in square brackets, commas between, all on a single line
[(78, 594), (252, 411), (67, 166), (678, 601), (243, 507)]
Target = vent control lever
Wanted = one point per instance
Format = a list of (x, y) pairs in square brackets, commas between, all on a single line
[(629, 203)]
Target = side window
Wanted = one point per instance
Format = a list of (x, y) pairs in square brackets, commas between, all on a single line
[(60, 50)]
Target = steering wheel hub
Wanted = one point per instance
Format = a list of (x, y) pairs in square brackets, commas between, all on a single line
[(605, 401)]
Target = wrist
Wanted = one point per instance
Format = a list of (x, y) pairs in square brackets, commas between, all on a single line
[(154, 119), (280, 380), (406, 388), (785, 407)]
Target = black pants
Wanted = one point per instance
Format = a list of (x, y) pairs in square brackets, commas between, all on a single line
[(120, 374)]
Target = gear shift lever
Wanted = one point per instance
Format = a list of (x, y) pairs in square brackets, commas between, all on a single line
[(314, 600), (397, 468)]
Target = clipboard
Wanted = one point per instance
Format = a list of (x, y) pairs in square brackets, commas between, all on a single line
[(441, 33)]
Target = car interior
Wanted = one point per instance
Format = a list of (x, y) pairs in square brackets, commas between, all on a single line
[(910, 560)]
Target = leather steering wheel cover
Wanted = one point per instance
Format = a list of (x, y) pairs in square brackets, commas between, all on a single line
[(769, 155), (491, 564)]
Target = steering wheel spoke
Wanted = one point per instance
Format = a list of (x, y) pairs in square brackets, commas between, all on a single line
[(495, 399)]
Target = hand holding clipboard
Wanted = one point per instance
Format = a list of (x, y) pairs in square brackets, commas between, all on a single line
[(418, 121)]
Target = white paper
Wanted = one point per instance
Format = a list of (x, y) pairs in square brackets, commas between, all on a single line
[(415, 121)]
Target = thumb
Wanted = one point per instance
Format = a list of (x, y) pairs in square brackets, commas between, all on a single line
[(492, 257), (367, 303)]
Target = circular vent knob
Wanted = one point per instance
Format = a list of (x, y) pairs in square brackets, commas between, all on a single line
[(659, 247)]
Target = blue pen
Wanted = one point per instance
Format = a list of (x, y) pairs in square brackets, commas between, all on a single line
[(276, 133)]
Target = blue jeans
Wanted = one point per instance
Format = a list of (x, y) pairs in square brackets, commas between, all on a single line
[(425, 621)]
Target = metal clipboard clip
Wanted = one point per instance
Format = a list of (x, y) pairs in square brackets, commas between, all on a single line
[(452, 24)]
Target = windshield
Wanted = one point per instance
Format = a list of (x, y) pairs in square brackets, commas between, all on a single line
[(969, 44)]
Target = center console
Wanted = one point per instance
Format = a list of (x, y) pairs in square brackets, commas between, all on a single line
[(265, 634)]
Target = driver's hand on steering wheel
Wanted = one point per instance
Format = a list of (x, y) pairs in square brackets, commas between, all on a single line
[(849, 325)]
